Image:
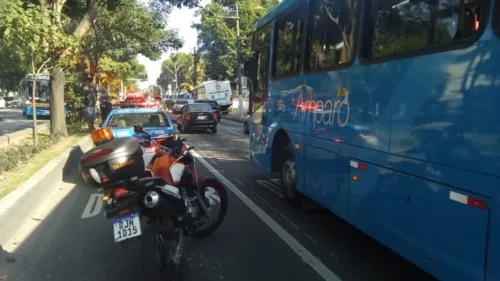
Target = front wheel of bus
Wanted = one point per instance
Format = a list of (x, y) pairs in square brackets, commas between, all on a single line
[(288, 183)]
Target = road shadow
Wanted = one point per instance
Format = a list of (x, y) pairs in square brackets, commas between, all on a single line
[(70, 168), (338, 244)]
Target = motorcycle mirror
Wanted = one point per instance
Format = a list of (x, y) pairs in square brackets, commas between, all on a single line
[(189, 148)]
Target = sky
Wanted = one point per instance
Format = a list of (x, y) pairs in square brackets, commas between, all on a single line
[(180, 19)]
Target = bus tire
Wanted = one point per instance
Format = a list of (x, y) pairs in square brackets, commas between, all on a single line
[(288, 180)]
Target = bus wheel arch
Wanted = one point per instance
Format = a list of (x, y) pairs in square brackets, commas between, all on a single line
[(283, 161)]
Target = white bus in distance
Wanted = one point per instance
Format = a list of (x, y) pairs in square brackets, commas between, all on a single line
[(219, 91)]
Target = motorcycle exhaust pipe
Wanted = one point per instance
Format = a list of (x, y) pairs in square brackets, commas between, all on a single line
[(163, 204)]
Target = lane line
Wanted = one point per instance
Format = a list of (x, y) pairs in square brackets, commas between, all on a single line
[(276, 210), (269, 187), (300, 250)]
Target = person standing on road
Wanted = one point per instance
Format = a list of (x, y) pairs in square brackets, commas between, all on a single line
[(90, 106), (106, 107)]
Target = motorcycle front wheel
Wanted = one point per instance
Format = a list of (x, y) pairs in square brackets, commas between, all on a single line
[(216, 201), (156, 249)]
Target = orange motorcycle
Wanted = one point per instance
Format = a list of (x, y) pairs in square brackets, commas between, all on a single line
[(160, 209)]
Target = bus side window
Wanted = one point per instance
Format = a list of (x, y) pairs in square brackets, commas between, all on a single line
[(288, 46), (412, 26), (261, 44), (331, 33)]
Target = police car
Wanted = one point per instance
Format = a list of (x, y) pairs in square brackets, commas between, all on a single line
[(155, 122)]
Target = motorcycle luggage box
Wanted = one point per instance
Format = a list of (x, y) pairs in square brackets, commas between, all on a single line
[(116, 160)]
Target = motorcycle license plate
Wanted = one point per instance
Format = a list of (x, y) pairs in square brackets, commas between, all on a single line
[(127, 227), (202, 117)]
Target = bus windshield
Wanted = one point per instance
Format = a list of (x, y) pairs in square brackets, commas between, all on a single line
[(42, 91)]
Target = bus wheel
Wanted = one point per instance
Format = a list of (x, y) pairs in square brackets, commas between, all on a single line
[(288, 183)]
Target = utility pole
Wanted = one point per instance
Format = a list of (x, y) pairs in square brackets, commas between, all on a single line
[(238, 60), (238, 54), (195, 82)]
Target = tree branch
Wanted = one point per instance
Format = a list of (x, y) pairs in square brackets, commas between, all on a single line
[(93, 7), (336, 21), (168, 68), (43, 64)]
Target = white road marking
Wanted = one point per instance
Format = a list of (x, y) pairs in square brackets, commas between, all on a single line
[(234, 132), (239, 182), (275, 210), (94, 199), (300, 250), (269, 187)]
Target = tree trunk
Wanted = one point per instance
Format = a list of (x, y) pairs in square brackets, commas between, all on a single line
[(57, 114), (33, 105)]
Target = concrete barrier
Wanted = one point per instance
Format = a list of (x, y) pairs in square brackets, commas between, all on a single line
[(18, 136)]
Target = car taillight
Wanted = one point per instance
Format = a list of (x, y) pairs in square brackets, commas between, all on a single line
[(188, 116), (215, 116), (231, 99), (97, 154)]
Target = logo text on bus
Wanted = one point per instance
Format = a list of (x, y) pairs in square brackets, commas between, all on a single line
[(326, 112)]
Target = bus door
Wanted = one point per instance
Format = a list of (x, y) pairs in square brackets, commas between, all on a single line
[(262, 45)]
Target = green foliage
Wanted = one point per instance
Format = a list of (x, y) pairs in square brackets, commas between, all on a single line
[(32, 32), (129, 30), (12, 156), (217, 34), (178, 65), (73, 97)]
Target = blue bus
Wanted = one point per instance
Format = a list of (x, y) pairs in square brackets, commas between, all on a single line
[(42, 95), (387, 113)]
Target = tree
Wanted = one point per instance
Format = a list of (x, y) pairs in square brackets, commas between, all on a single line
[(10, 72), (217, 34), (84, 12), (40, 41), (189, 77), (175, 69)]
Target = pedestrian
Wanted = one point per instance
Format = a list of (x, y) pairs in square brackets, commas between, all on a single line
[(90, 106), (106, 107)]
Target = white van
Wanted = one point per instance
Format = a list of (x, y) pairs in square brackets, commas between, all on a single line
[(219, 91)]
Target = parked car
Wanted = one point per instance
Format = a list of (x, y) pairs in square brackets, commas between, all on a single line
[(154, 120), (12, 102), (215, 107), (197, 116), (170, 103), (178, 105)]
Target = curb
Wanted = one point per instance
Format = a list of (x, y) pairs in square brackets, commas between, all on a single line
[(18, 136), (10, 199)]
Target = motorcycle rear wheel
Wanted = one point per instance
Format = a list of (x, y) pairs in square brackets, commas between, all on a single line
[(156, 267)]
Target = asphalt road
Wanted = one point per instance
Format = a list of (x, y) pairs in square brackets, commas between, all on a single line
[(57, 232), (15, 121)]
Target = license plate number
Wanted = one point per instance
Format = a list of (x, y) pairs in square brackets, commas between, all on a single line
[(127, 227), (202, 117)]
